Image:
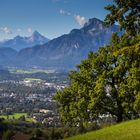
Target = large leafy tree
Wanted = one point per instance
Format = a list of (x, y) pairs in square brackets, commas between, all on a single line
[(108, 81)]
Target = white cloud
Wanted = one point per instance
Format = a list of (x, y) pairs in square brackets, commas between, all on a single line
[(56, 0), (19, 30), (63, 12), (6, 30), (81, 20), (29, 30), (62, 1)]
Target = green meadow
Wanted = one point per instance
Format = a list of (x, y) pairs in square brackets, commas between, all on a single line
[(30, 71), (16, 116), (32, 79), (124, 131)]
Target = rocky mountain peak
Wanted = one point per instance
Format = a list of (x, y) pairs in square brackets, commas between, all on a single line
[(93, 24), (20, 42), (36, 33)]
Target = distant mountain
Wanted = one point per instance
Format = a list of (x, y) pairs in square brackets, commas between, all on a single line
[(68, 50), (7, 56), (19, 42)]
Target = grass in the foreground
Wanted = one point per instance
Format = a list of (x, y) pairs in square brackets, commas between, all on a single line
[(124, 131)]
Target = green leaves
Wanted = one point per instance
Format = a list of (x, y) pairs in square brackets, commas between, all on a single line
[(108, 82), (127, 14)]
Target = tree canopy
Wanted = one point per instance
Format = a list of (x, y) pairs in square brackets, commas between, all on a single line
[(126, 13), (108, 81)]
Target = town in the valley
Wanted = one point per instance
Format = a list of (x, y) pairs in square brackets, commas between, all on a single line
[(28, 95)]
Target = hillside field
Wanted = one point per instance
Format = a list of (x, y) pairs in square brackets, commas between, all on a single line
[(124, 131), (17, 116)]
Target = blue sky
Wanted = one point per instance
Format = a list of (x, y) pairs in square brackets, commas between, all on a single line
[(51, 18)]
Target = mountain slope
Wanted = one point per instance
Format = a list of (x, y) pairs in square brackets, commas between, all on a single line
[(7, 56), (19, 42), (124, 131), (68, 50)]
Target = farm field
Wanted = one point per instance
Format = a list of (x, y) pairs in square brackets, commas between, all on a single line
[(30, 71), (17, 116)]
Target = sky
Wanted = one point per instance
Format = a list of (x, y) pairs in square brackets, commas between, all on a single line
[(51, 18)]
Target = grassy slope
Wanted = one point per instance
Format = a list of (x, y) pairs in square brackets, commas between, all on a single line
[(125, 131)]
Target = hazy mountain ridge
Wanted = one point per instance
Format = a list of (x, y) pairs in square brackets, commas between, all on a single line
[(67, 50), (20, 42), (7, 56)]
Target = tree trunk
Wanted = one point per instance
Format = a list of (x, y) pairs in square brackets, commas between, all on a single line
[(119, 118), (120, 112)]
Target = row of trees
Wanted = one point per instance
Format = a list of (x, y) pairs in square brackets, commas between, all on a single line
[(108, 81)]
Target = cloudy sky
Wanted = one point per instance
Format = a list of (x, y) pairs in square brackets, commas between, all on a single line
[(52, 18)]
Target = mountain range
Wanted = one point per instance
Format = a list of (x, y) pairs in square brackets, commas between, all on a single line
[(20, 42), (67, 50)]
